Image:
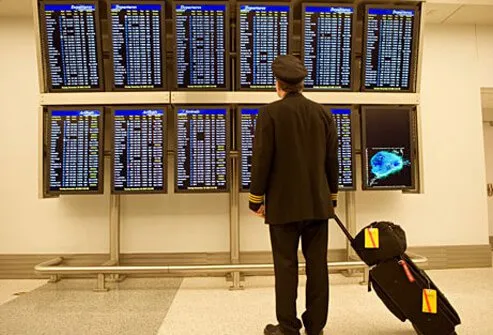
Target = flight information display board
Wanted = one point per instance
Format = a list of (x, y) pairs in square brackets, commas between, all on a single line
[(342, 117), (74, 145), (71, 47), (343, 120), (264, 33), (248, 121), (202, 149), (138, 40), (327, 46), (390, 48), (202, 44), (388, 147), (139, 150)]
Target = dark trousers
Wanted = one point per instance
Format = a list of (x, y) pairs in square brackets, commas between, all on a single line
[(285, 240)]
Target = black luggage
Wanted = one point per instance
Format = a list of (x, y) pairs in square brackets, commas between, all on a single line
[(399, 283), (392, 243)]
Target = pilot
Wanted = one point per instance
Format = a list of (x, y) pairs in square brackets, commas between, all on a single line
[(294, 185)]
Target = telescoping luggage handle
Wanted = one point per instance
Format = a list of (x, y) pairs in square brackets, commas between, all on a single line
[(344, 230)]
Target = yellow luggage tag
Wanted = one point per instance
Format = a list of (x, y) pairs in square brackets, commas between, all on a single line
[(371, 238), (429, 301)]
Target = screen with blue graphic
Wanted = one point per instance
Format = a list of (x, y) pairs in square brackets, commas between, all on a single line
[(201, 33), (390, 52), (138, 52), (202, 149), (387, 148), (264, 34), (139, 150), (342, 118), (71, 52), (74, 151), (327, 46)]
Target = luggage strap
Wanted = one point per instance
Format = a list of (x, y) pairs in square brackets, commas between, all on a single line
[(409, 275)]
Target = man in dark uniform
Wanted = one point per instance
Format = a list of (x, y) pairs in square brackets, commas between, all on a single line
[(294, 186)]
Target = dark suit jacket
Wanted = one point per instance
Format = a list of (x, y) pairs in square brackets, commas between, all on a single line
[(294, 162)]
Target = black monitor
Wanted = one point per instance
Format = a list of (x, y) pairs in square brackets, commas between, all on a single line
[(343, 119), (201, 45), (138, 42), (327, 46), (263, 33), (388, 147), (71, 46), (139, 161), (247, 120), (390, 44), (73, 150), (202, 149)]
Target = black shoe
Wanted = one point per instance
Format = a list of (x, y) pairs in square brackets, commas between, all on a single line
[(273, 330), (321, 333), (276, 330)]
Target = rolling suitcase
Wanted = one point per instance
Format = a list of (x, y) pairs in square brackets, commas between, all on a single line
[(404, 288)]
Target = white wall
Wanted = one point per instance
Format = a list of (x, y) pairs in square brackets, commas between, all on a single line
[(485, 54), (453, 210), (488, 144), (27, 224)]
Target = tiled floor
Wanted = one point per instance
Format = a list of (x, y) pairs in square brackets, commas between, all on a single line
[(352, 309), (136, 306), (205, 306), (11, 289)]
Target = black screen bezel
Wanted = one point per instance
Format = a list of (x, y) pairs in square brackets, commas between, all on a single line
[(238, 39), (414, 52), (412, 140), (227, 69), (228, 148), (352, 87), (353, 155), (165, 150), (328, 108), (239, 142), (47, 148), (45, 53), (164, 70)]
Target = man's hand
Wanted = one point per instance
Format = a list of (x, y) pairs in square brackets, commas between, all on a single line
[(261, 212), (256, 204)]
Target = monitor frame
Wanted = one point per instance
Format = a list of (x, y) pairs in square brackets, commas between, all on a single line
[(47, 112), (327, 108), (353, 141), (227, 43), (238, 39), (238, 142), (164, 68), (176, 108), (413, 75), (353, 74), (45, 53), (165, 149), (412, 148)]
